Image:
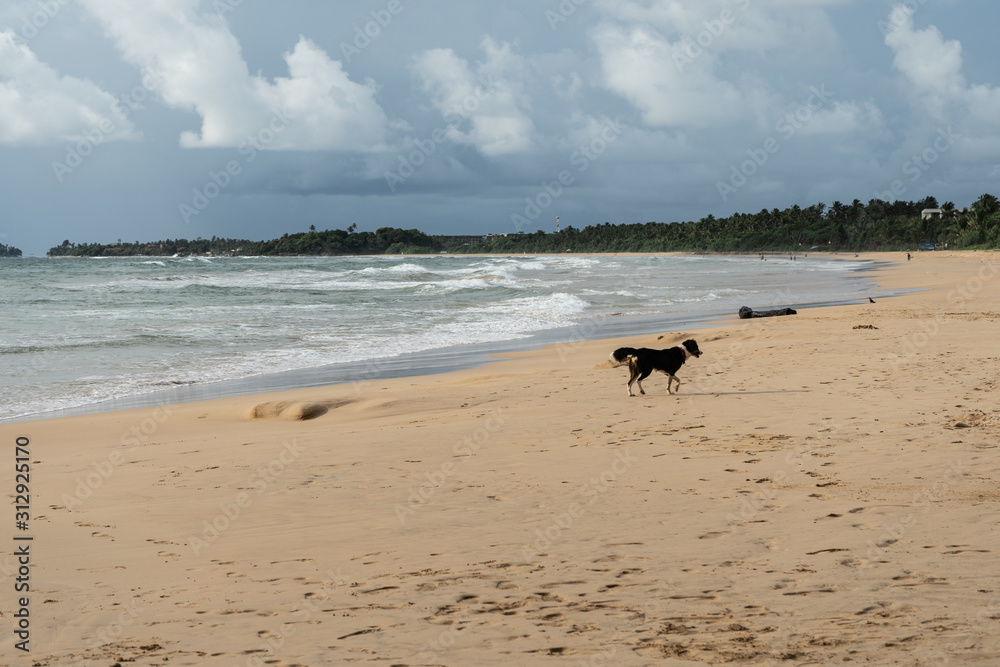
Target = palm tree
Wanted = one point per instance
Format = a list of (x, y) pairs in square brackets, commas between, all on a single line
[(988, 204), (978, 218)]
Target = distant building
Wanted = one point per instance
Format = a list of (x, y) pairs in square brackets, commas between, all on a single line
[(938, 213)]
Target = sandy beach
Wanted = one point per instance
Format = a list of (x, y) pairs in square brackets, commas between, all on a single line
[(822, 490)]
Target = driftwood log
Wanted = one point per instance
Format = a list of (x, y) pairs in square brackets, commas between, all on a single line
[(747, 312)]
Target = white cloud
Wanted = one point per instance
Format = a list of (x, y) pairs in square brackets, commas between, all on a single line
[(662, 80), (932, 66), (489, 98), (199, 66), (845, 118), (685, 64), (37, 106), (734, 25)]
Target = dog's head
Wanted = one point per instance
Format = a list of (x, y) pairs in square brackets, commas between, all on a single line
[(692, 347)]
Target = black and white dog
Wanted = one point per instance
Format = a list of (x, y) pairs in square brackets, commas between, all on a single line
[(644, 361)]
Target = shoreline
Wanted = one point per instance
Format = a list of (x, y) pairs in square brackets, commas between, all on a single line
[(437, 360), (821, 490), (839, 254)]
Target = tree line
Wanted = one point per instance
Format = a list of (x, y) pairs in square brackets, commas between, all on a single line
[(845, 227), (9, 251), (856, 226), (386, 240)]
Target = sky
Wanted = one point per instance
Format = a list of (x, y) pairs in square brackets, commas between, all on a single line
[(249, 119)]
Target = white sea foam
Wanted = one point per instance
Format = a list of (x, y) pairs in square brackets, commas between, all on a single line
[(128, 326)]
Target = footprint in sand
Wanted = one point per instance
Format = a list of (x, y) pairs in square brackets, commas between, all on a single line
[(559, 650), (382, 589), (692, 597), (563, 583), (628, 571), (360, 632), (609, 559)]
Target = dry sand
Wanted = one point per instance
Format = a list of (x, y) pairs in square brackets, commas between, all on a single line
[(817, 493)]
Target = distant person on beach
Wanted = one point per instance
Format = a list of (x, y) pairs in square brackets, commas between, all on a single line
[(907, 257)]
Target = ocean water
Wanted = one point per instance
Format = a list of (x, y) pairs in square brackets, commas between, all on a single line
[(87, 332)]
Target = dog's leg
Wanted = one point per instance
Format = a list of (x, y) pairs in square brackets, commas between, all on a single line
[(671, 380), (632, 377), (642, 376)]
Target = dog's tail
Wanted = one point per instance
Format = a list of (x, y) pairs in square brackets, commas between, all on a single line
[(623, 355)]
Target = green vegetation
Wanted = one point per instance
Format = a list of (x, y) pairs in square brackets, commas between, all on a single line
[(851, 227), (386, 240), (846, 227), (9, 251)]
